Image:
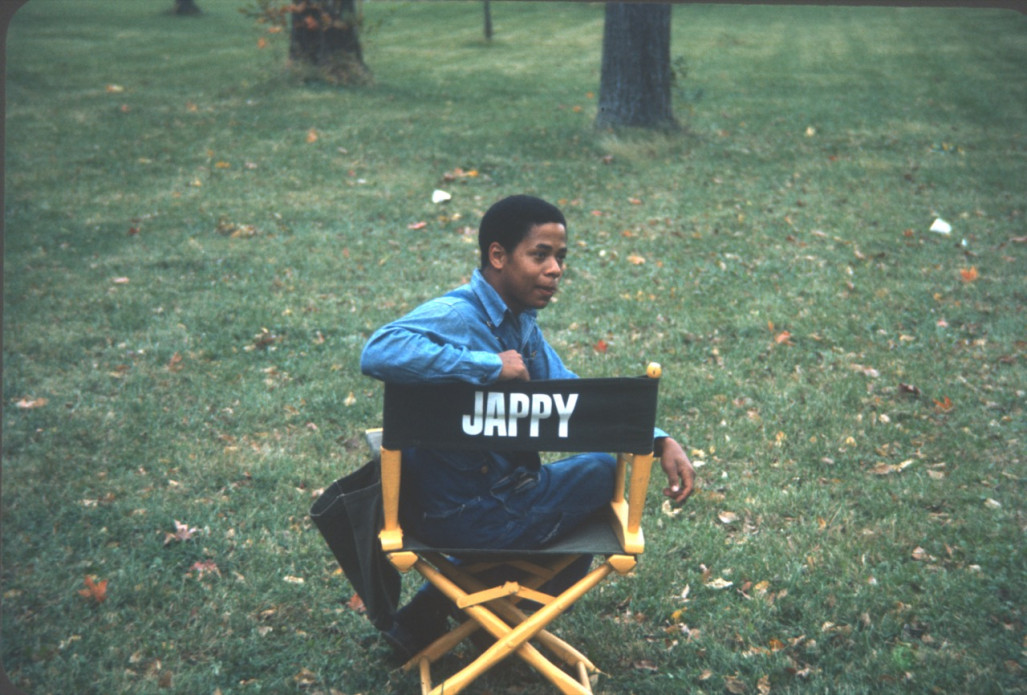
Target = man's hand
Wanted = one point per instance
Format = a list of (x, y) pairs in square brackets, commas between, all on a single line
[(680, 474), (513, 367)]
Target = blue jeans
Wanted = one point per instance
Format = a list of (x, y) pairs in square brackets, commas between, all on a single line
[(489, 500)]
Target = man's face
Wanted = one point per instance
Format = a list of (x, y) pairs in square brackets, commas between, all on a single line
[(527, 277)]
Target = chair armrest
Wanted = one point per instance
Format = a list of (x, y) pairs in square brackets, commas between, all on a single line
[(627, 513), (391, 534)]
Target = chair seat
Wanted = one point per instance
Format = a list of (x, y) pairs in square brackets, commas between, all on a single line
[(595, 536)]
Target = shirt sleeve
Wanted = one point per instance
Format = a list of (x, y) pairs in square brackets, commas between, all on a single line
[(427, 345)]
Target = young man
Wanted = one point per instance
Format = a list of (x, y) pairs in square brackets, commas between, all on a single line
[(484, 332)]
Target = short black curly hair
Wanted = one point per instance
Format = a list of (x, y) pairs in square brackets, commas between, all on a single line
[(509, 221)]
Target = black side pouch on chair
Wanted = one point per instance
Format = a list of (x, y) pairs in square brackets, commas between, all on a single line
[(349, 515)]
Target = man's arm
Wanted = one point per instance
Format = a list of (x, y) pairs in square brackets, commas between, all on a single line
[(427, 345)]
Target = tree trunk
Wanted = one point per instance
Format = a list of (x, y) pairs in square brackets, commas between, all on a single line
[(635, 77), (186, 7), (488, 21), (325, 36)]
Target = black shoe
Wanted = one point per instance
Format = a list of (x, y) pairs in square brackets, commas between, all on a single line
[(417, 625), (404, 644)]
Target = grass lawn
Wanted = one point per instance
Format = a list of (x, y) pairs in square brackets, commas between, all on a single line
[(196, 249)]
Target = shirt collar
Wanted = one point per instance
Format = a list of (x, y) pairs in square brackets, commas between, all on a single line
[(493, 304)]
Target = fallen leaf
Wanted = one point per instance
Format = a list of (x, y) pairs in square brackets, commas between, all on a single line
[(417, 225), (175, 363), (734, 685), (94, 590), (635, 259), (263, 340), (727, 517), (601, 346), (202, 567), (888, 468), (30, 403), (944, 405), (356, 603), (312, 135), (910, 389), (719, 583), (305, 678), (921, 555), (182, 533), (867, 371), (968, 274)]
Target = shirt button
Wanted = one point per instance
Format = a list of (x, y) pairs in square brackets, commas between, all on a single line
[(484, 470)]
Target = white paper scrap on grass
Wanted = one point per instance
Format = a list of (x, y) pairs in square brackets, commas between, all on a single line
[(941, 226), (440, 196)]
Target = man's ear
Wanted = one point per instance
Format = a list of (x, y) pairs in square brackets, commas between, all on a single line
[(497, 255)]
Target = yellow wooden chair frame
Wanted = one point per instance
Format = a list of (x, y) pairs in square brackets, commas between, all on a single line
[(494, 608)]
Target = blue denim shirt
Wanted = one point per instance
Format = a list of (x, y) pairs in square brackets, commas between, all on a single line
[(458, 337)]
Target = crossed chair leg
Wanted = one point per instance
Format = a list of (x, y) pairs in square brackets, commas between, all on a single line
[(494, 610)]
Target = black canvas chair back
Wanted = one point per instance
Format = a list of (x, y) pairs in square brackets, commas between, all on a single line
[(615, 414)]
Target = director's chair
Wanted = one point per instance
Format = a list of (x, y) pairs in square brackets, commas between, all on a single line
[(611, 415)]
